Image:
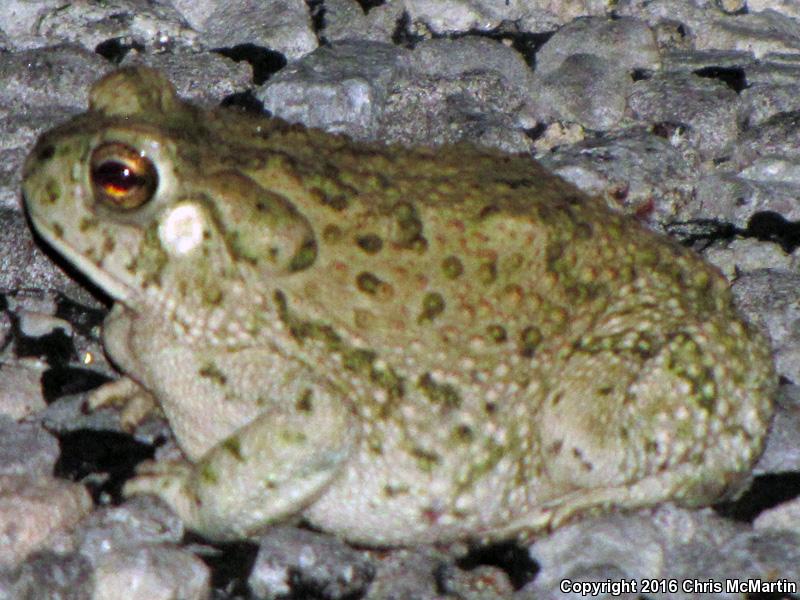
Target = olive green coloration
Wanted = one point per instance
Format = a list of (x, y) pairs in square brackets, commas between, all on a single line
[(399, 345)]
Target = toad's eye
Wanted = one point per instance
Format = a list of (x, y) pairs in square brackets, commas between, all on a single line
[(121, 176)]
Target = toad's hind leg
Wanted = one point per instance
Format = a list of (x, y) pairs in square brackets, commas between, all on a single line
[(678, 418), (268, 470)]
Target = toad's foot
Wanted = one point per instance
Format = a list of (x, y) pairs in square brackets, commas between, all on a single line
[(268, 470), (167, 479), (134, 400)]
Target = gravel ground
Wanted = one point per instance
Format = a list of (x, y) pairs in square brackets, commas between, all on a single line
[(683, 113)]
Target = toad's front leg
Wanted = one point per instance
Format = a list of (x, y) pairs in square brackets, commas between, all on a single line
[(268, 470)]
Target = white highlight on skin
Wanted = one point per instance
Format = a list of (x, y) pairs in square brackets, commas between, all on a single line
[(181, 230)]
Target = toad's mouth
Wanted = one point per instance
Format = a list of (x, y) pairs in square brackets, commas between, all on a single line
[(113, 286)]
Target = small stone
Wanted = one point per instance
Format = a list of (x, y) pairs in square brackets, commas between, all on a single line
[(89, 24), (50, 575), (732, 6), (761, 33), (158, 572), (26, 448), (140, 521), (789, 8), (584, 89), (761, 101), (202, 77), (20, 388), (281, 25), (340, 88), (784, 516), (406, 574), (484, 582), (778, 137), (782, 451), (709, 108), (627, 43), (290, 558), (746, 255), (771, 300), (728, 198), (32, 509), (634, 170)]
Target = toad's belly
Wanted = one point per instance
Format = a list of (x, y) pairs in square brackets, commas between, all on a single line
[(406, 499)]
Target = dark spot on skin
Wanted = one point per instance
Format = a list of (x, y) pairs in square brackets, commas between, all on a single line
[(392, 491), (514, 184), (357, 360), (213, 296), (86, 224), (390, 381), (432, 306), (555, 447), (370, 243), (490, 408), (496, 333), (488, 210), (375, 445), (487, 272), (514, 261), (291, 436), (367, 283), (302, 330), (553, 253), (331, 234), (304, 257), (463, 434), (557, 398), (585, 464), (337, 202), (452, 267), (331, 198), (426, 460), (708, 400), (530, 338), (582, 231), (52, 191), (212, 372), (409, 227), (234, 447), (419, 244), (208, 475), (604, 391), (304, 402), (442, 394), (58, 230)]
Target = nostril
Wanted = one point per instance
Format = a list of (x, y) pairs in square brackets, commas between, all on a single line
[(46, 152)]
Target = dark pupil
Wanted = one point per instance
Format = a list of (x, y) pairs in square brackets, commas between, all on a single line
[(117, 175)]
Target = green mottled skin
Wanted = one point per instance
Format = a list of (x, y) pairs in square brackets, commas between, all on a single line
[(399, 345)]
